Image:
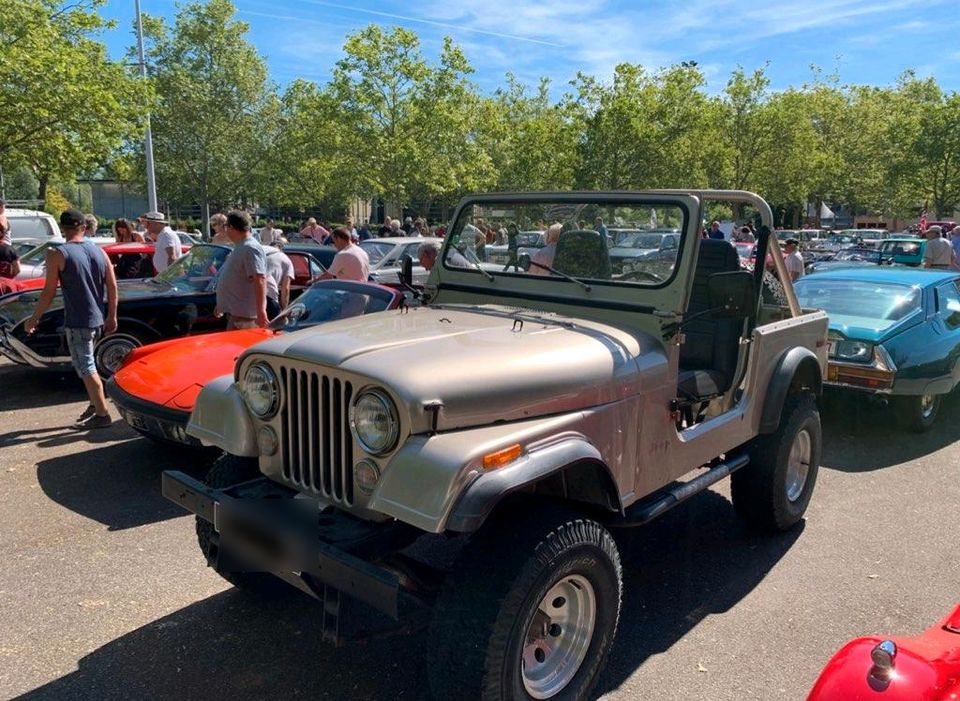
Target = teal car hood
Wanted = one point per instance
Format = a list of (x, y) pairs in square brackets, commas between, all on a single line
[(862, 328)]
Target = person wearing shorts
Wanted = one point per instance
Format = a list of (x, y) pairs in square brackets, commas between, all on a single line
[(84, 274)]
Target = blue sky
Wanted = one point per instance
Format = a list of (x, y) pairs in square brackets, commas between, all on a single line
[(868, 41)]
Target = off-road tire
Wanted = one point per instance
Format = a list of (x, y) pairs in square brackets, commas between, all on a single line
[(760, 489), (227, 471), (912, 414), (487, 603)]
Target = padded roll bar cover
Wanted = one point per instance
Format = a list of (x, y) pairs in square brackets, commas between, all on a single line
[(794, 361)]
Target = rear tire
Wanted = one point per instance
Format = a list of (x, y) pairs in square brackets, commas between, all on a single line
[(917, 413), (772, 492), (227, 471), (529, 611)]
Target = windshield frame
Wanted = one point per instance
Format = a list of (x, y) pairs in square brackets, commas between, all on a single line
[(687, 207), (162, 277)]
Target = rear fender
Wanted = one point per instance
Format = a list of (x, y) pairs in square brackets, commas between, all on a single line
[(220, 418), (798, 369)]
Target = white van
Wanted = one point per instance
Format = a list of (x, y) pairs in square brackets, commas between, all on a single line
[(31, 224)]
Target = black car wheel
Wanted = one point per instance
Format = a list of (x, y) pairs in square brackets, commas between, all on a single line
[(112, 349), (918, 413), (529, 611)]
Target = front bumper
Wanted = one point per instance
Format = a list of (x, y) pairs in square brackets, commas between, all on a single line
[(290, 539), (152, 419)]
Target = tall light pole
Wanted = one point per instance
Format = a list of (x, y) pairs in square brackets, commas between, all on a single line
[(148, 139)]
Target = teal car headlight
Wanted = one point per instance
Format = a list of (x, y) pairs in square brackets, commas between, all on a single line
[(375, 422), (854, 351), (260, 390)]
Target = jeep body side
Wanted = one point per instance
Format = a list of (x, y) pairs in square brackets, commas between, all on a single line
[(549, 398)]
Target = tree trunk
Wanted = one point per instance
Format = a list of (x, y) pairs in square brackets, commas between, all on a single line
[(43, 181)]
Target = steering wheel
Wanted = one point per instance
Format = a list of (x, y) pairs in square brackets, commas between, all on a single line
[(638, 275)]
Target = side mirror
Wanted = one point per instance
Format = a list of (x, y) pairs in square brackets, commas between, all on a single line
[(523, 261), (406, 270), (731, 295)]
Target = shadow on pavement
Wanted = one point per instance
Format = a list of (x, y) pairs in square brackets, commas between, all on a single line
[(695, 561), (54, 436), (861, 435), (232, 646), (30, 388), (118, 485)]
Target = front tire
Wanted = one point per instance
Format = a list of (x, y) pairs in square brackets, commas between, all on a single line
[(529, 612), (772, 492), (918, 413), (227, 471), (110, 351)]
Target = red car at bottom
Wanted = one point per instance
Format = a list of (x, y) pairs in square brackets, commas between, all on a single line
[(922, 668), (157, 385)]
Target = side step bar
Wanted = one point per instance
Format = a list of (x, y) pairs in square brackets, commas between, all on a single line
[(661, 501)]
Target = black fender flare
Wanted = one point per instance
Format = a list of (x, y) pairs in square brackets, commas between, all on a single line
[(797, 365), (575, 459)]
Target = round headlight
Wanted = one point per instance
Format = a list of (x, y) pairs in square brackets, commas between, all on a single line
[(261, 391), (375, 422), (857, 351)]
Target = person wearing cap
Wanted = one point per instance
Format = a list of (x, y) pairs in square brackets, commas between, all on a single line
[(166, 243), (793, 260), (84, 274), (938, 252), (242, 284)]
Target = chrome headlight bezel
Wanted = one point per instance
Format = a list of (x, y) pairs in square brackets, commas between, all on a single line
[(853, 351), (269, 382), (358, 421)]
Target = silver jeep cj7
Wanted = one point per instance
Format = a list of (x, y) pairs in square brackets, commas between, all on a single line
[(525, 410)]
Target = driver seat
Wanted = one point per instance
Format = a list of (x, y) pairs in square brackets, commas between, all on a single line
[(711, 347)]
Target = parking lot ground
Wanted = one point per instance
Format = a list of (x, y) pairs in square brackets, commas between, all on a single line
[(104, 595)]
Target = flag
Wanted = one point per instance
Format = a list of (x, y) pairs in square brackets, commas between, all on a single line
[(923, 220)]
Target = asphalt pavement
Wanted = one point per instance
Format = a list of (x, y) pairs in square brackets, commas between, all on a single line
[(104, 595)]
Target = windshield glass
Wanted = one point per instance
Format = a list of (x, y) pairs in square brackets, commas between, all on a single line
[(38, 254), (639, 240), (30, 226), (784, 235), (859, 254), (901, 248), (842, 239), (576, 241), (329, 302), (377, 250), (882, 302), (196, 271)]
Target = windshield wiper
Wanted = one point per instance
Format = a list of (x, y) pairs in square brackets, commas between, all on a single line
[(556, 272)]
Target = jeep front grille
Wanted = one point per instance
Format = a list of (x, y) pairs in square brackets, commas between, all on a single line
[(315, 440)]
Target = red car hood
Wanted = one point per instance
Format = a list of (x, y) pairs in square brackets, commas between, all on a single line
[(171, 373)]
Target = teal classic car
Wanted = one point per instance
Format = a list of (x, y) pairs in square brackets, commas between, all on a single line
[(903, 250), (894, 332)]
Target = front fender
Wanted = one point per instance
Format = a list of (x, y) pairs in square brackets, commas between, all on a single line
[(796, 363), (426, 480), (220, 419)]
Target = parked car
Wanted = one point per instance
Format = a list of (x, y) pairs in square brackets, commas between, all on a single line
[(869, 237), (386, 254), (525, 413), (156, 386), (630, 247), (837, 242), (30, 223), (179, 301), (923, 667), (903, 250), (894, 334), (854, 257), (528, 242), (33, 264)]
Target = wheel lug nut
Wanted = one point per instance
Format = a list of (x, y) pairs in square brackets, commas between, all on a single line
[(554, 630), (540, 655)]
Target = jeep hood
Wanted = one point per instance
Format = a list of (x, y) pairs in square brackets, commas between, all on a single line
[(482, 364)]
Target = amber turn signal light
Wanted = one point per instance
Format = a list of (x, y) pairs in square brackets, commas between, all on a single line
[(491, 461)]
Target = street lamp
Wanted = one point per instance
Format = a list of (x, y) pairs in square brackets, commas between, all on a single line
[(148, 138)]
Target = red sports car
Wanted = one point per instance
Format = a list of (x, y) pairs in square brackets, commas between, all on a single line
[(157, 385), (921, 668)]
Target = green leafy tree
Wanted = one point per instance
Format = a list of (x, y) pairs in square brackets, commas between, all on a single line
[(64, 105), (217, 111)]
